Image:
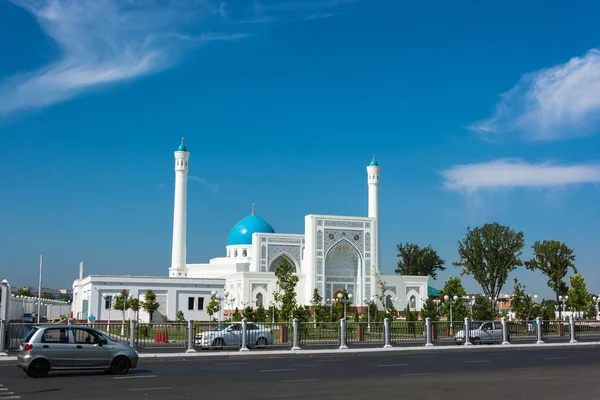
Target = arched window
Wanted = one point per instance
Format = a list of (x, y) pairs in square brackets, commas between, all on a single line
[(229, 253), (413, 302), (244, 253), (259, 300), (235, 253), (278, 260), (388, 301)]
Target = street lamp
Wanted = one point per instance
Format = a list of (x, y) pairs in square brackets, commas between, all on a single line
[(563, 300), (447, 300), (272, 303), (330, 302), (368, 302), (345, 301)]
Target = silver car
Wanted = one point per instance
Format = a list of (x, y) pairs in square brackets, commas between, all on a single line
[(489, 332), (47, 348), (230, 334)]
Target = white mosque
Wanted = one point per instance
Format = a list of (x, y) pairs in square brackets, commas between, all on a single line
[(335, 253)]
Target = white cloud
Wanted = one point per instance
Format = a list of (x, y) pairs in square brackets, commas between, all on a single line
[(555, 103), (511, 173), (214, 187), (103, 42)]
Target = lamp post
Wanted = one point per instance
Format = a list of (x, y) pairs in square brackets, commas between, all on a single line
[(220, 300), (451, 301), (330, 303), (368, 302), (273, 304), (345, 301), (563, 300)]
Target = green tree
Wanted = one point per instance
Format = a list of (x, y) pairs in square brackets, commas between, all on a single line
[(591, 312), (521, 303), (180, 316), (249, 314), (48, 296), (213, 306), (430, 309), (553, 259), (381, 286), (489, 254), (417, 261), (150, 305), (24, 291), (260, 314), (453, 287), (317, 304), (578, 293), (302, 313), (135, 306), (236, 317), (122, 302), (286, 282), (483, 310)]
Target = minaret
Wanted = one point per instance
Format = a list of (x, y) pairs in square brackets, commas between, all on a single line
[(373, 181), (178, 262)]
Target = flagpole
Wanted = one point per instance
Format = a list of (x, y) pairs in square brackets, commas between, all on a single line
[(39, 291)]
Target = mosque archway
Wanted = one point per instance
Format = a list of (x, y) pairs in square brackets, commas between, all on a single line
[(279, 259), (342, 263), (259, 300)]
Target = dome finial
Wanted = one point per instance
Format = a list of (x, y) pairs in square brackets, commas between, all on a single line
[(253, 209), (374, 162), (182, 146), (373, 153)]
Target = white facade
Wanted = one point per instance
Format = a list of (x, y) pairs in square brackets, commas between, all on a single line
[(334, 253), (95, 295)]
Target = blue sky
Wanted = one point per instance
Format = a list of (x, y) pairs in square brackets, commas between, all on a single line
[(478, 112)]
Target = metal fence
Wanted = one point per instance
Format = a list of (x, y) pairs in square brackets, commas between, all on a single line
[(198, 336)]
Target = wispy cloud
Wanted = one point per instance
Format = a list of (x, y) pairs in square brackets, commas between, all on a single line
[(322, 16), (104, 42), (512, 173), (560, 102), (214, 187)]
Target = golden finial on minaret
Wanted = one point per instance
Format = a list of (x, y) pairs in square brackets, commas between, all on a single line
[(253, 209)]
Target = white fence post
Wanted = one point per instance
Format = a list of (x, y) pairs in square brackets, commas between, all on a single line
[(191, 336), (504, 331), (572, 323), (386, 333), (295, 333), (428, 332), (343, 344), (244, 335), (538, 324), (3, 338), (467, 331), (132, 329)]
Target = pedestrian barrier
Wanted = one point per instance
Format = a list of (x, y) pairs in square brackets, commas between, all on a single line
[(296, 335)]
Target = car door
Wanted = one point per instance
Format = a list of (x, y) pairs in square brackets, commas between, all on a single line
[(497, 332), (234, 335), (57, 346), (485, 330), (90, 350)]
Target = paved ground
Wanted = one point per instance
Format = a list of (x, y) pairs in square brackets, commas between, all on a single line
[(490, 374)]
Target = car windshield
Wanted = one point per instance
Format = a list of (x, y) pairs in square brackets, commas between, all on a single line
[(27, 315), (220, 327), (476, 325)]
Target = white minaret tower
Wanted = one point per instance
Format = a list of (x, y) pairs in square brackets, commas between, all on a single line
[(373, 181), (178, 262)]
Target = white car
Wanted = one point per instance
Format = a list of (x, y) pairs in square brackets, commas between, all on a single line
[(230, 334), (482, 332)]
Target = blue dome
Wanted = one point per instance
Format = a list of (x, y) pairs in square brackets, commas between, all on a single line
[(374, 163), (243, 230), (182, 146)]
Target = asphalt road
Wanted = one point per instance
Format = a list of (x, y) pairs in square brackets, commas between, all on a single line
[(493, 374)]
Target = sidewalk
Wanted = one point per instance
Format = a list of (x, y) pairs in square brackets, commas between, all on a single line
[(7, 359)]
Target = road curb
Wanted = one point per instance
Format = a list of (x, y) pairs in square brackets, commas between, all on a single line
[(349, 351)]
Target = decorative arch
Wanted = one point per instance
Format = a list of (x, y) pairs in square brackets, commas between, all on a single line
[(343, 261), (279, 258), (259, 299), (340, 249), (413, 298)]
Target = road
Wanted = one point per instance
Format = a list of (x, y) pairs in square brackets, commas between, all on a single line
[(493, 374)]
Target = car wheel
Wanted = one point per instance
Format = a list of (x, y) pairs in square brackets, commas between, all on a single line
[(218, 342), (38, 368), (476, 341), (120, 365), (261, 342)]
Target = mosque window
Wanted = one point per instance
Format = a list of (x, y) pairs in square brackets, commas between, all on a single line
[(244, 253), (229, 253), (235, 253), (200, 303), (107, 302), (191, 302), (413, 302), (259, 300)]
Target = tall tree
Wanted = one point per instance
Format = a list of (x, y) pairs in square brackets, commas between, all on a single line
[(578, 293), (24, 291), (418, 261), (150, 305), (286, 281), (135, 305), (213, 306), (430, 309), (521, 303), (553, 259), (489, 254), (483, 309), (453, 287)]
